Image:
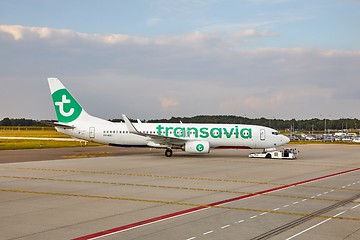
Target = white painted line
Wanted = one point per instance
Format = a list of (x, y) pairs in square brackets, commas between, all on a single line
[(304, 200), (146, 224), (313, 197), (191, 238), (314, 226), (355, 206), (136, 225), (319, 195), (206, 233), (339, 214), (295, 203), (254, 216), (275, 209), (240, 221), (326, 193), (349, 185), (226, 226), (264, 213), (332, 190), (286, 205), (343, 187)]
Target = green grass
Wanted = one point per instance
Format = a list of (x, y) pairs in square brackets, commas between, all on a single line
[(39, 132), (38, 144)]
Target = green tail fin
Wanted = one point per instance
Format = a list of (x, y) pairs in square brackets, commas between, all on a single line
[(66, 107)]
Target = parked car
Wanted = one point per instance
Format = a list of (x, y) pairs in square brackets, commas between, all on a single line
[(329, 139)]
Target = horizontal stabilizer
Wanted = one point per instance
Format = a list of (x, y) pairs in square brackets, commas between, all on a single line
[(57, 124)]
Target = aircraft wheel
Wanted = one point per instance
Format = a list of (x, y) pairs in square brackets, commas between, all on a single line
[(168, 152), (268, 155)]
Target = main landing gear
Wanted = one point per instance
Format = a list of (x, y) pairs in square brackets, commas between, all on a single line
[(168, 152)]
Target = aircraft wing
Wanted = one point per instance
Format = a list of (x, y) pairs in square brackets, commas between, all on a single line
[(156, 139)]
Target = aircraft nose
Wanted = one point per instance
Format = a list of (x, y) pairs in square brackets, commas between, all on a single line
[(285, 139)]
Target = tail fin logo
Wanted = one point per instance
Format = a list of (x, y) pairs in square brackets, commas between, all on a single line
[(67, 109), (61, 107)]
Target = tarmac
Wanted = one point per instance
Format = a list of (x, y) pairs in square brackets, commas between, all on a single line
[(72, 193)]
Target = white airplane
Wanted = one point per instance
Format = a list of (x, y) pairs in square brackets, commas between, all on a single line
[(73, 120)]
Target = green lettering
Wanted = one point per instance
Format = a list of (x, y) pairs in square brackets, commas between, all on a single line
[(216, 132), (182, 132), (179, 132), (167, 129), (159, 129), (228, 134), (196, 132), (204, 132), (246, 133)]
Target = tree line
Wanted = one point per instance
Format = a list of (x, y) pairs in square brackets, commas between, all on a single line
[(20, 122), (314, 124)]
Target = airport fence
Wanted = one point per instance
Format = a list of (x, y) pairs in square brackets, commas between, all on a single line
[(25, 128)]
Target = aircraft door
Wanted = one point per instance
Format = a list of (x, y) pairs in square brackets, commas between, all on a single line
[(262, 134), (92, 132)]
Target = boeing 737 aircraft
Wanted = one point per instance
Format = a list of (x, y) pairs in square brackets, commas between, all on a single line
[(73, 120)]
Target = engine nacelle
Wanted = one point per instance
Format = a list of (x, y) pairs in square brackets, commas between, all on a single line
[(197, 147)]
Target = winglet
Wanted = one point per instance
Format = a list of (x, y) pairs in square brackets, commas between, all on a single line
[(129, 125)]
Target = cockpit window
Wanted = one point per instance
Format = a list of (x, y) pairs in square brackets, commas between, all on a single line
[(275, 133)]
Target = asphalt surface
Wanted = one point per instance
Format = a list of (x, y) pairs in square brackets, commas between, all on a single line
[(141, 194), (30, 155)]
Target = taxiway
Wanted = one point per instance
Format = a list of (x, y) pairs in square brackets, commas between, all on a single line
[(224, 195)]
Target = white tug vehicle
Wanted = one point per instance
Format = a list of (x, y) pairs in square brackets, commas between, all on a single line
[(286, 153)]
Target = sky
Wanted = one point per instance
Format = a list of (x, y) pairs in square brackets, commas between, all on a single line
[(152, 59)]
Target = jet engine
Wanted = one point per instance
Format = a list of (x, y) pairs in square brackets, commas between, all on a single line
[(197, 147)]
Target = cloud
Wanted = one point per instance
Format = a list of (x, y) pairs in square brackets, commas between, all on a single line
[(53, 35), (185, 75), (68, 36), (18, 32), (259, 101), (168, 103), (254, 33)]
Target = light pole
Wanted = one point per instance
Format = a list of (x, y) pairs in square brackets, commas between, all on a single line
[(325, 126), (325, 123)]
